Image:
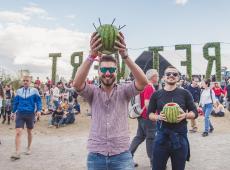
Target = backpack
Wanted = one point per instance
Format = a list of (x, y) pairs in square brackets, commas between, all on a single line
[(135, 107)]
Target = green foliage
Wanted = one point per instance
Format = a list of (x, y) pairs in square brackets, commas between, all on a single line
[(188, 61), (120, 67), (211, 59), (54, 65), (76, 65), (156, 60), (16, 84)]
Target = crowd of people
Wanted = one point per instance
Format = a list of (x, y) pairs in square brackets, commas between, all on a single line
[(54, 96), (109, 142)]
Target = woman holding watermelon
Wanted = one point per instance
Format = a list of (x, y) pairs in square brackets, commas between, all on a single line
[(170, 107)]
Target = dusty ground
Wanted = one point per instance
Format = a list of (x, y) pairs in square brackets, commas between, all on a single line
[(65, 148)]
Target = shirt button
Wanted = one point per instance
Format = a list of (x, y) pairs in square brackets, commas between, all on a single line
[(107, 123)]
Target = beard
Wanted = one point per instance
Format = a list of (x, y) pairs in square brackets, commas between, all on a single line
[(107, 82), (171, 83)]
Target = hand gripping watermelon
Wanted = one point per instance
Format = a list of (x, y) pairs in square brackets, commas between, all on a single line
[(108, 34), (171, 111)]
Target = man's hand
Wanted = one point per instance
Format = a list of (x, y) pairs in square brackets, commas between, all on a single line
[(12, 116), (38, 114), (181, 116), (95, 44), (120, 45), (162, 117)]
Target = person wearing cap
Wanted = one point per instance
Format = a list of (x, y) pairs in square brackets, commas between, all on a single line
[(146, 128)]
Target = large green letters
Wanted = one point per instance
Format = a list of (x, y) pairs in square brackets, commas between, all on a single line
[(216, 57)]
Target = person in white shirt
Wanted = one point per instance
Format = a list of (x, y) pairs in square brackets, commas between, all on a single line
[(207, 99), (56, 95)]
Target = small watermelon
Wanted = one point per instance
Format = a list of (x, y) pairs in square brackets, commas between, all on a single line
[(108, 34), (171, 111)]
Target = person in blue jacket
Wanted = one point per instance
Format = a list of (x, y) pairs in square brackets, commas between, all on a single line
[(26, 101)]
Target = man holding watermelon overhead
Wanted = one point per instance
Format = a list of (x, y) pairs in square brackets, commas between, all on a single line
[(108, 142), (170, 107)]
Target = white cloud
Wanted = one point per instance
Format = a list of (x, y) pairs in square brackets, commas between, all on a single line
[(28, 13), (72, 16), (16, 17), (34, 10), (29, 47), (181, 2)]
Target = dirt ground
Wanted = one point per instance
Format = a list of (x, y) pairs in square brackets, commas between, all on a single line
[(65, 148)]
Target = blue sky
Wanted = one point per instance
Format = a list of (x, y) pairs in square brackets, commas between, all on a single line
[(35, 28)]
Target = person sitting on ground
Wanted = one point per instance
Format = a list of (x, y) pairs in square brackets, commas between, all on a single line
[(219, 110), (65, 105), (70, 116), (58, 117)]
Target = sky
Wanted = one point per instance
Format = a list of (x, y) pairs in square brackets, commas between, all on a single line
[(31, 29)]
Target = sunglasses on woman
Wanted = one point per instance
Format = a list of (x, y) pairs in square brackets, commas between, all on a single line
[(110, 69), (171, 73)]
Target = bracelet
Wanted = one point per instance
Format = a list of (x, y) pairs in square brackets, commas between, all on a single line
[(125, 57), (90, 58)]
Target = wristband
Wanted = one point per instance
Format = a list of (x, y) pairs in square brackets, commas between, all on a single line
[(90, 58), (125, 57)]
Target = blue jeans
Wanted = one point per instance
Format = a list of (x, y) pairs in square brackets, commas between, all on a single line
[(207, 109), (56, 103), (163, 149), (122, 161), (48, 102), (146, 131)]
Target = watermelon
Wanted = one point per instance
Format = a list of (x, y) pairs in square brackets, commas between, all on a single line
[(171, 111), (108, 34)]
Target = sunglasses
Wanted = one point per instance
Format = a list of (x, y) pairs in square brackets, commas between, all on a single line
[(110, 69), (171, 73), (25, 80)]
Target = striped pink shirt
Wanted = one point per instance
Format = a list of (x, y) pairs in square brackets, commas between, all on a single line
[(109, 133)]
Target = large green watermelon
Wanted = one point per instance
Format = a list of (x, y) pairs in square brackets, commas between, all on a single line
[(171, 111), (108, 34)]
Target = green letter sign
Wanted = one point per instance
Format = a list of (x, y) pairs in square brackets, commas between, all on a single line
[(120, 68), (76, 65), (156, 56), (216, 57), (54, 65), (188, 62)]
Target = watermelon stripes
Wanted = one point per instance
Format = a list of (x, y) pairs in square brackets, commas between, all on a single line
[(171, 111), (108, 34)]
